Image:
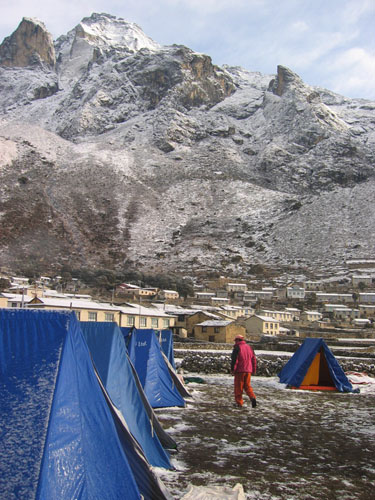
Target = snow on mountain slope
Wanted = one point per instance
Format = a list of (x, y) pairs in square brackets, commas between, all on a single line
[(126, 152)]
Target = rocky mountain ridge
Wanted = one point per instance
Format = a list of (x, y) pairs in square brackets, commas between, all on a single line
[(116, 151)]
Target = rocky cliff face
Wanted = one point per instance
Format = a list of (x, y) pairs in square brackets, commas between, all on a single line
[(29, 45), (125, 152)]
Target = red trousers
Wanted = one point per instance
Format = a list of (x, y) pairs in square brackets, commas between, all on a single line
[(242, 382)]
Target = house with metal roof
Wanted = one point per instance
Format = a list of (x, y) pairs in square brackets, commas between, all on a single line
[(222, 331), (258, 325)]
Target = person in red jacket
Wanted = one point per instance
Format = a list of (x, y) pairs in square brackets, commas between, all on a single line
[(243, 364)]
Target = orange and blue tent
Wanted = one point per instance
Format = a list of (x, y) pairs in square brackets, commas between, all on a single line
[(313, 366)]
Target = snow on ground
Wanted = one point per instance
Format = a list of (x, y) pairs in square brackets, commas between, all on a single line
[(294, 445)]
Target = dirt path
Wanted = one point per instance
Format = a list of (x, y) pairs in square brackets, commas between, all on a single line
[(294, 445)]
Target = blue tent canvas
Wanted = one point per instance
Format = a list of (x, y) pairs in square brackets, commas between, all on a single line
[(313, 366), (166, 341), (147, 358), (165, 439), (126, 332), (110, 356), (58, 439)]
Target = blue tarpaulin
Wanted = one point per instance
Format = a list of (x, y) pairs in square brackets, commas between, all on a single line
[(58, 436), (166, 341), (296, 368), (109, 353), (146, 356), (166, 440)]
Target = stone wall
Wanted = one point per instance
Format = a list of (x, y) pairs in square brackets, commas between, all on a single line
[(268, 365)]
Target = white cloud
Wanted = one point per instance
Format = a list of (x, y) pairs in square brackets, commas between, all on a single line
[(353, 73), (354, 10), (299, 27)]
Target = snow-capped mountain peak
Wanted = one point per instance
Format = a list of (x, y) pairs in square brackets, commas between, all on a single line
[(117, 151), (106, 30)]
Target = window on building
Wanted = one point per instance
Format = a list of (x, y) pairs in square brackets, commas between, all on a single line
[(78, 314), (166, 323), (93, 316), (211, 338), (204, 329), (109, 317), (131, 320), (266, 325), (181, 317), (216, 329), (142, 322), (155, 322)]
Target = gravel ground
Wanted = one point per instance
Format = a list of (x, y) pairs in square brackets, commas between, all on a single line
[(293, 445)]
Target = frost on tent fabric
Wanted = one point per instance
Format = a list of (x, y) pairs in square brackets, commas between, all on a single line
[(109, 353), (57, 428), (147, 358)]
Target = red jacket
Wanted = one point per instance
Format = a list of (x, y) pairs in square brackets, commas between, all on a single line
[(243, 358)]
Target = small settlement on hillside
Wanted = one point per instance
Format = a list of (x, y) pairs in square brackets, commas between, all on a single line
[(220, 309)]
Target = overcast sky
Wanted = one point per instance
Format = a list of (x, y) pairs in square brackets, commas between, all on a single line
[(330, 43)]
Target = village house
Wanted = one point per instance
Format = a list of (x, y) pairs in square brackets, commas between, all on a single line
[(199, 317), (261, 325), (219, 301), (205, 296), (361, 322), (86, 310), (295, 313), (344, 313), (145, 317), (179, 314), (343, 298), (339, 311), (16, 299), (18, 281), (256, 295), (235, 312), (366, 311), (329, 308), (295, 292), (168, 295), (136, 292), (236, 287), (3, 301), (365, 279), (366, 298), (312, 285), (185, 320), (281, 316), (34, 290), (310, 316), (222, 331)]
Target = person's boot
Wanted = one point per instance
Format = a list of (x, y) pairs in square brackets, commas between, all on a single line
[(253, 402)]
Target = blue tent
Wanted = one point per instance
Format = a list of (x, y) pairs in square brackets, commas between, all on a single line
[(147, 358), (166, 440), (166, 341), (109, 353), (60, 437), (313, 366), (126, 332)]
